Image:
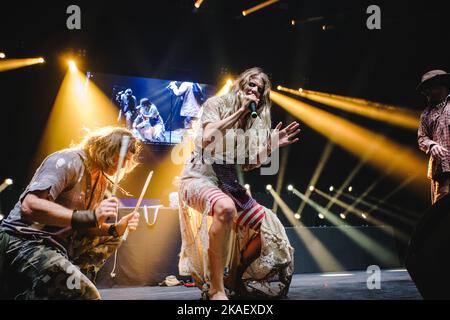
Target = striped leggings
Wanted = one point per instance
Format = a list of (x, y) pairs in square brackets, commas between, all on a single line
[(250, 217)]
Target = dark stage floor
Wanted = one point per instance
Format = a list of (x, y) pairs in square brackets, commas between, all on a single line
[(395, 284)]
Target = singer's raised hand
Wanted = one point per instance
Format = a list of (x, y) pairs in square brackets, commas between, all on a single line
[(284, 137)]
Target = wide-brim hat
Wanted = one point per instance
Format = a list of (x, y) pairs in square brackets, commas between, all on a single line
[(434, 76), (148, 112)]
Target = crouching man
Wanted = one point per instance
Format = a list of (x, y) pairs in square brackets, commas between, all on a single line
[(56, 238)]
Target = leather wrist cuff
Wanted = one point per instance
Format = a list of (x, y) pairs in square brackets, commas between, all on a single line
[(83, 219)]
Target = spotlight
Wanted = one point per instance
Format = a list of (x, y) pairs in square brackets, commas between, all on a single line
[(293, 22), (364, 216), (258, 7), (269, 187), (2, 55), (198, 3), (300, 90), (278, 87), (41, 60), (350, 189), (290, 187), (72, 65), (1, 217), (321, 216), (5, 184), (229, 82), (311, 188), (343, 216), (247, 186), (297, 216), (331, 189)]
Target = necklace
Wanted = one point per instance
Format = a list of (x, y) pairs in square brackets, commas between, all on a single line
[(442, 103)]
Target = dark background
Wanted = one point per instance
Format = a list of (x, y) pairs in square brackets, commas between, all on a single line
[(170, 40)]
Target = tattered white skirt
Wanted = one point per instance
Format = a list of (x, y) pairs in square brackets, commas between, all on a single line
[(268, 276)]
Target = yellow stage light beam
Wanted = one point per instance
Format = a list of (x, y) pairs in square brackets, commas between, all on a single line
[(372, 207), (387, 155), (405, 118), (372, 247), (317, 171), (5, 184), (225, 88), (405, 238), (321, 255), (258, 7), (80, 106), (9, 64), (198, 3), (72, 65), (366, 192), (349, 178), (344, 184), (281, 175), (401, 186), (372, 186)]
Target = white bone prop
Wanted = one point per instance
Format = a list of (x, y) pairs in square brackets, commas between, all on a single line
[(141, 197), (122, 153)]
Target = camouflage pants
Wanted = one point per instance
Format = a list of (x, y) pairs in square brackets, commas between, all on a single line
[(36, 270)]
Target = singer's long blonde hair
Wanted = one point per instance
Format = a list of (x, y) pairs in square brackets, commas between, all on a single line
[(265, 102)]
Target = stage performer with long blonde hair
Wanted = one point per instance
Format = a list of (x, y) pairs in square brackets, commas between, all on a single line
[(231, 245)]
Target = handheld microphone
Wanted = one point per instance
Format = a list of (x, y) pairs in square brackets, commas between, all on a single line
[(252, 107)]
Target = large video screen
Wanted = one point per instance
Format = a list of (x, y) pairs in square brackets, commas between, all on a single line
[(157, 111)]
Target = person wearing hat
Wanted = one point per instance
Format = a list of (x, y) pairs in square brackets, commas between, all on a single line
[(149, 124), (127, 107), (434, 131)]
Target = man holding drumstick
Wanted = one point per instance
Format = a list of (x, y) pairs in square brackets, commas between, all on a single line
[(57, 236)]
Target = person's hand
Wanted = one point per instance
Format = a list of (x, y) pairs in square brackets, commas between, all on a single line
[(131, 221), (438, 151), (245, 100), (106, 209), (172, 84), (281, 138)]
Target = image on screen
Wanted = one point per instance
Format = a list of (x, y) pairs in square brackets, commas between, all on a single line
[(157, 111)]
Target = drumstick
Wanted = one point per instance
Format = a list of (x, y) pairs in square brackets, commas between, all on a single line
[(141, 197), (144, 189), (122, 153)]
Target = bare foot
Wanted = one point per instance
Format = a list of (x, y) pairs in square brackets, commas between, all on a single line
[(218, 295)]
